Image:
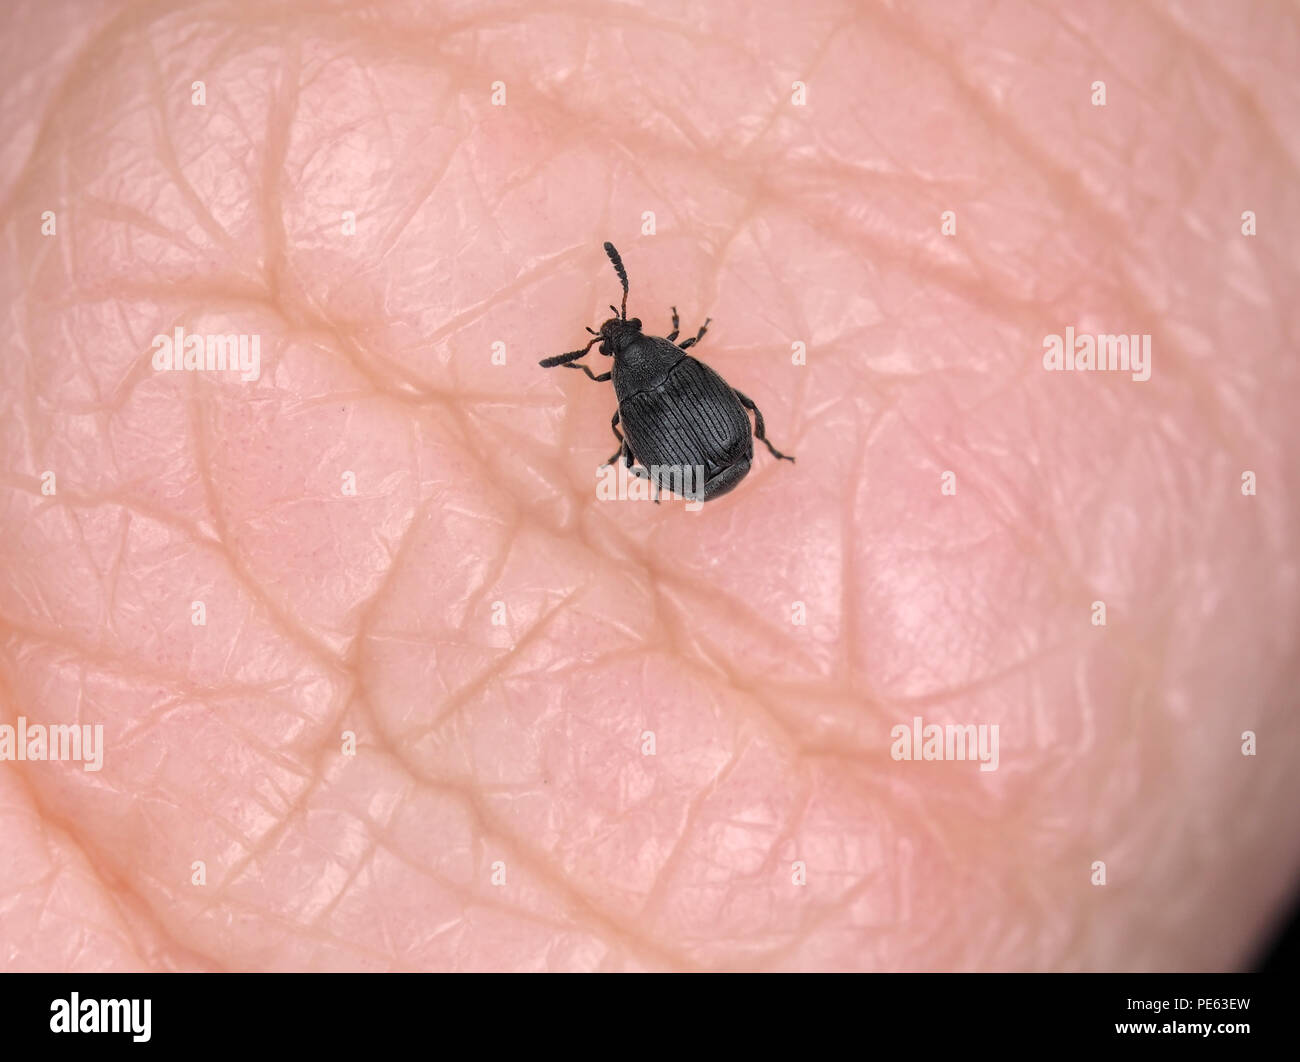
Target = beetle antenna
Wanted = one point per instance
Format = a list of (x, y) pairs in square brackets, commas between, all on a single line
[(622, 275), (564, 359), (592, 330)]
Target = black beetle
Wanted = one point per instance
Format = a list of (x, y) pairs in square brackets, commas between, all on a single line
[(678, 413)]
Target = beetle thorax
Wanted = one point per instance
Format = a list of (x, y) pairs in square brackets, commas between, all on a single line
[(643, 364)]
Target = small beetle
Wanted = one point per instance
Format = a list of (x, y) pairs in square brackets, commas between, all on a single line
[(678, 412)]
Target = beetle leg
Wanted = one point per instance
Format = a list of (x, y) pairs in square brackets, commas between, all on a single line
[(672, 336), (760, 430), (642, 473), (619, 436), (624, 451), (687, 344), (599, 379)]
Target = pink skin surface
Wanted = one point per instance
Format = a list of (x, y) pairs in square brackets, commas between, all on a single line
[(589, 735)]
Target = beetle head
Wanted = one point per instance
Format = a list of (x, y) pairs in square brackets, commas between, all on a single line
[(616, 333)]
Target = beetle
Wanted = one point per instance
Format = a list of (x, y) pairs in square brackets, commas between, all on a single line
[(676, 411)]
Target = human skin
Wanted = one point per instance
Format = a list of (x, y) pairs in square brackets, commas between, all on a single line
[(645, 763)]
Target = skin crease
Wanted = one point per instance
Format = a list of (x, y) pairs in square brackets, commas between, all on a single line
[(499, 811)]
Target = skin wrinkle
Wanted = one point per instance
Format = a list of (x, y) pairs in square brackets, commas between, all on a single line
[(1245, 99), (116, 890), (655, 900), (535, 862), (684, 585), (163, 151), (491, 675), (283, 618)]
